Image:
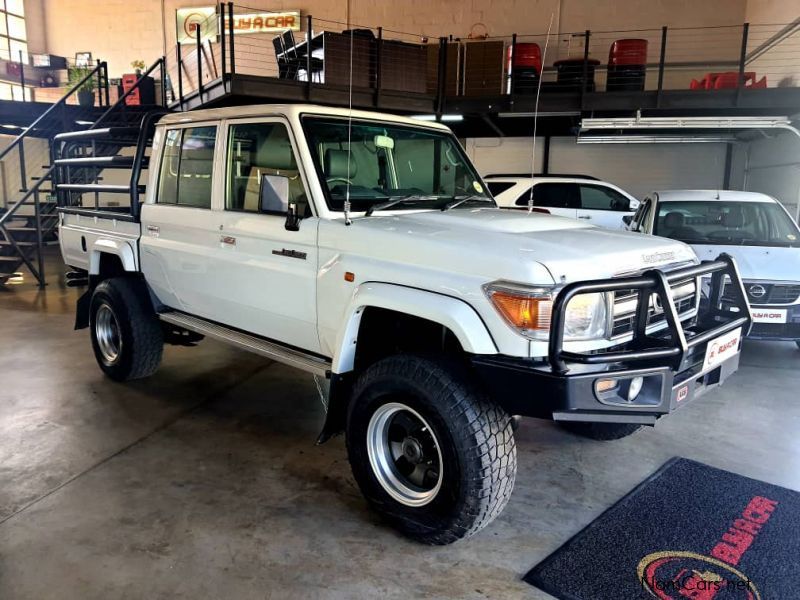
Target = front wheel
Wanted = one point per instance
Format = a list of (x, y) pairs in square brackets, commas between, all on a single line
[(428, 451), (601, 431)]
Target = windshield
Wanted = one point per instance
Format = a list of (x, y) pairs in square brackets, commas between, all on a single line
[(390, 162), (720, 222)]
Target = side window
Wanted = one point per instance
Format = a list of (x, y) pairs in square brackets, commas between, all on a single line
[(256, 150), (597, 197), (186, 167), (498, 187), (554, 195)]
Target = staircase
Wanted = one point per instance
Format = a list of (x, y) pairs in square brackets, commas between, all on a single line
[(77, 157)]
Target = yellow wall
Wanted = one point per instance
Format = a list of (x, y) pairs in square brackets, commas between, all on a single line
[(121, 31)]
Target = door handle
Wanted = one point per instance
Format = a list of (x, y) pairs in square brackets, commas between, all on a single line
[(153, 230), (227, 239), (584, 217)]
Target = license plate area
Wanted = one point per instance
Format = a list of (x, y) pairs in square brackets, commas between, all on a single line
[(721, 348), (769, 315)]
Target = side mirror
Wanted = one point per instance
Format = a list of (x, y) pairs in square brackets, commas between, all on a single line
[(627, 219), (274, 194), (292, 218)]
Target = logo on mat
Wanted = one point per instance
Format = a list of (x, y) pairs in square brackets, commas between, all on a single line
[(757, 291), (677, 574)]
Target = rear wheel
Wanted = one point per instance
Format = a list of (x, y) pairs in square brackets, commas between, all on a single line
[(600, 431), (126, 334), (429, 452)]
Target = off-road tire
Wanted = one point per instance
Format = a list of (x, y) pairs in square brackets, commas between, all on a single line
[(475, 436), (140, 332), (601, 431)]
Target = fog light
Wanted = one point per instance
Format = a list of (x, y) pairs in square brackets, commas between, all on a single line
[(635, 388), (604, 385)]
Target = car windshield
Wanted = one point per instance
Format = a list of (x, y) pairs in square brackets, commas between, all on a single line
[(720, 222), (419, 167)]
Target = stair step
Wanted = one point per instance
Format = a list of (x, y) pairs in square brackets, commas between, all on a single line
[(19, 243)]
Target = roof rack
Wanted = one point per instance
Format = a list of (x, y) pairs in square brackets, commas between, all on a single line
[(544, 175)]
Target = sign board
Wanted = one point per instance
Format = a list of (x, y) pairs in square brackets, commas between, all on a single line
[(189, 20), (265, 22)]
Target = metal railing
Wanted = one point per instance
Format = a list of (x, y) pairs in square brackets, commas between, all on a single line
[(710, 59), (32, 195)]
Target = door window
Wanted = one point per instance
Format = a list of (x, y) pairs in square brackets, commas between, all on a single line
[(597, 197), (186, 167), (256, 150), (554, 195), (498, 187)]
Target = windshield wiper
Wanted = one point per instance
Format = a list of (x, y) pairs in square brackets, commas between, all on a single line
[(459, 201), (413, 198)]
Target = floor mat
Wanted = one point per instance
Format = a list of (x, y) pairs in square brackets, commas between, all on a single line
[(688, 531)]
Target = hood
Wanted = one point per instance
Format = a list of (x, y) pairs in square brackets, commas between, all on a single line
[(758, 262), (504, 244)]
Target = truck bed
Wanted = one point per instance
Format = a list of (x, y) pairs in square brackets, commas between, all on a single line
[(84, 231)]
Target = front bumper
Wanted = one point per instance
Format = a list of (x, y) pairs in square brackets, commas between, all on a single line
[(674, 364)]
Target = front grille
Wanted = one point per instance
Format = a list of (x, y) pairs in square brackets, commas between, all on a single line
[(767, 293), (684, 292)]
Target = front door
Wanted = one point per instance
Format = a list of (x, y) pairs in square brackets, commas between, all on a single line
[(265, 274), (557, 198), (603, 206)]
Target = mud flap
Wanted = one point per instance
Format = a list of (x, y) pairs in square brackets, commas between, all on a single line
[(82, 310), (338, 398)]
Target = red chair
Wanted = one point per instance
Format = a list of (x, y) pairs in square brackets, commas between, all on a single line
[(729, 80), (627, 65), (525, 66)]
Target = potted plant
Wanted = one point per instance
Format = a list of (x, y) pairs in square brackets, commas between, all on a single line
[(86, 90), (138, 67)]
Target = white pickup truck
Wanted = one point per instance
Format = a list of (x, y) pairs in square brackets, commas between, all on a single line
[(364, 248)]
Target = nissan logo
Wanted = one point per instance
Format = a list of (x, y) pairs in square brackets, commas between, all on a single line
[(757, 291)]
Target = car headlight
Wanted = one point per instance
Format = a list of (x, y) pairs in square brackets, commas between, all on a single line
[(528, 310)]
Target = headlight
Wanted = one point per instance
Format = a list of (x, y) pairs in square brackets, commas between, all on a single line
[(586, 317), (528, 310)]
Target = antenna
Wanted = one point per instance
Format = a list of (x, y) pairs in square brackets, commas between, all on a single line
[(346, 206), (536, 108)]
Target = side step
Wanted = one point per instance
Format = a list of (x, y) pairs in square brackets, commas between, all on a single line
[(277, 352)]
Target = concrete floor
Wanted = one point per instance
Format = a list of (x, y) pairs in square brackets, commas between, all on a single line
[(204, 482)]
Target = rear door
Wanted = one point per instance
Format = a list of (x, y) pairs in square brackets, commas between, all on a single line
[(557, 198), (603, 206), (180, 229)]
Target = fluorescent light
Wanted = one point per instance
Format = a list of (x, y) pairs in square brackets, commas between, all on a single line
[(685, 123), (653, 139), (529, 115), (433, 117)]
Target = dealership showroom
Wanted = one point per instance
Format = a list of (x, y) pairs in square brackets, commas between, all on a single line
[(367, 299)]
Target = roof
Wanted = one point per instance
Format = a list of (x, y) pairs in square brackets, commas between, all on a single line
[(291, 111), (711, 195), (538, 176)]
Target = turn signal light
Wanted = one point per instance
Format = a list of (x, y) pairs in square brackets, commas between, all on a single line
[(524, 311)]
